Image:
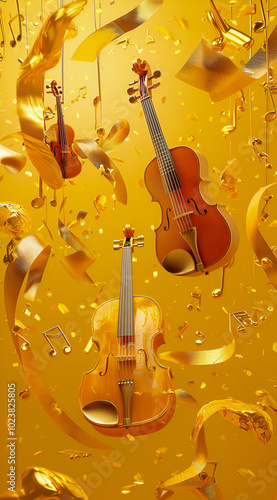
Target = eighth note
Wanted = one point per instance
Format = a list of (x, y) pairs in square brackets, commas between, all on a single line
[(244, 319), (20, 19), (198, 297), (52, 352), (78, 97)]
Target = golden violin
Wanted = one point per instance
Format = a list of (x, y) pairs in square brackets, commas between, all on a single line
[(128, 391), (195, 235)]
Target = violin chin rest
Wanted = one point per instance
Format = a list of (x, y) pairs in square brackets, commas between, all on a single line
[(179, 261), (101, 412)]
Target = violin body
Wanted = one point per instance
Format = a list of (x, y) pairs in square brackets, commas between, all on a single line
[(102, 401), (217, 233), (68, 161)]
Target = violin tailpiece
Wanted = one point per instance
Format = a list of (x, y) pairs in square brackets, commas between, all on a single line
[(126, 388), (190, 237)]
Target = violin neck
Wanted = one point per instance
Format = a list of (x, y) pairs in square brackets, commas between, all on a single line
[(62, 133), (165, 163), (126, 305)]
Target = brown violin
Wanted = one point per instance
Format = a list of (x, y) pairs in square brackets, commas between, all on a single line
[(128, 391), (195, 235), (68, 161)]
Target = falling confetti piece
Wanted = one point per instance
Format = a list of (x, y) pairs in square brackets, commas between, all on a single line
[(62, 308), (203, 385)]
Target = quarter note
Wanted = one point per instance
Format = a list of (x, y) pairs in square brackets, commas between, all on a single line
[(259, 155), (39, 202), (48, 335), (219, 291), (198, 297), (53, 202), (271, 115), (260, 26), (20, 19)]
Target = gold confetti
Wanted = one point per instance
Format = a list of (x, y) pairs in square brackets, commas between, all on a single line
[(274, 347), (203, 385), (62, 308)]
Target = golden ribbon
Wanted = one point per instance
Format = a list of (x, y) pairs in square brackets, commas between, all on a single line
[(13, 162), (38, 482), (194, 478), (32, 254), (207, 357), (242, 415), (43, 56), (257, 241), (90, 149), (76, 263), (94, 43), (215, 73)]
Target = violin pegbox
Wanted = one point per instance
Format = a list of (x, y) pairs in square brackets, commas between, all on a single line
[(129, 239), (143, 70), (55, 90)]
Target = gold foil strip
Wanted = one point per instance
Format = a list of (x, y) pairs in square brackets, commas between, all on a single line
[(32, 255), (77, 263), (90, 149), (207, 357), (94, 43), (43, 56), (13, 162), (38, 482), (260, 247), (215, 73), (242, 415), (14, 219)]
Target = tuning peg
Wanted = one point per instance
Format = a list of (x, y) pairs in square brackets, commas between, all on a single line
[(133, 99), (117, 244), (134, 82), (131, 90), (156, 74), (154, 86), (139, 241)]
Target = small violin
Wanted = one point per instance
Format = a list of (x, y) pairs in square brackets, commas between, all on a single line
[(69, 163), (128, 391), (196, 235)]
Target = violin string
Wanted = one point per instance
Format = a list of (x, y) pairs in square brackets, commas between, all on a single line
[(173, 186), (175, 193)]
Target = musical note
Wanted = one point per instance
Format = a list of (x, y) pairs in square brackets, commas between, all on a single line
[(202, 338), (238, 106), (9, 257), (26, 344), (39, 202), (226, 33), (20, 19), (259, 155), (78, 97), (53, 202), (219, 291), (260, 26), (264, 214), (198, 297), (271, 115), (244, 319), (52, 352)]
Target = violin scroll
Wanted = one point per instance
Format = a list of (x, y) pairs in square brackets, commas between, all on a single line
[(143, 70)]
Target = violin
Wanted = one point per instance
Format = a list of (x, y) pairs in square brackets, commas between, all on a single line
[(128, 391), (68, 161), (195, 236)]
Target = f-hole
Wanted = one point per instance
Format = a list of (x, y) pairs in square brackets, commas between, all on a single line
[(168, 221), (195, 204)]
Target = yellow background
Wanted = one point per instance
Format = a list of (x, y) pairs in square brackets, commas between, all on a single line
[(175, 102)]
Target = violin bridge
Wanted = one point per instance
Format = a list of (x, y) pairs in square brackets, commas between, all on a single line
[(190, 237), (126, 388)]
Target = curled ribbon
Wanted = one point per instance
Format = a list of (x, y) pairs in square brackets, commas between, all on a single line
[(194, 478), (94, 43), (43, 56), (76, 263), (257, 241), (32, 254), (215, 73), (13, 162), (242, 415)]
